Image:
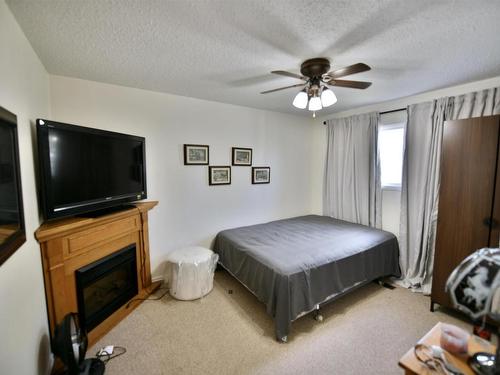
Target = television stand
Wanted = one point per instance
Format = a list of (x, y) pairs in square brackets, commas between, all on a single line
[(106, 211)]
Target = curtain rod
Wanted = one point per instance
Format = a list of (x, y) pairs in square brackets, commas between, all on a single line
[(383, 113), (393, 110)]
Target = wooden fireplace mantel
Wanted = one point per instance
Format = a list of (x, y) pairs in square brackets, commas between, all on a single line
[(69, 244)]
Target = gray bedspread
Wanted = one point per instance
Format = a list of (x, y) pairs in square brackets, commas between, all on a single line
[(292, 265)]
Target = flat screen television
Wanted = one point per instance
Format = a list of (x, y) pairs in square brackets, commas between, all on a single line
[(85, 170)]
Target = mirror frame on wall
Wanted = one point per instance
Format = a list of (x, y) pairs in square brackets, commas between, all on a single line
[(15, 240)]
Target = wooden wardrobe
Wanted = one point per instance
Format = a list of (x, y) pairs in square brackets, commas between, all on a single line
[(469, 196)]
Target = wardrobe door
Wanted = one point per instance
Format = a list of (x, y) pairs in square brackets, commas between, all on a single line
[(466, 195), (495, 218)]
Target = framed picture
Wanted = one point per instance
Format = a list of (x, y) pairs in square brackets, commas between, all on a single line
[(196, 155), (12, 230), (261, 175), (242, 156), (219, 175)]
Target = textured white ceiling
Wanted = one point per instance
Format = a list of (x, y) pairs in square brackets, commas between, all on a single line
[(223, 50)]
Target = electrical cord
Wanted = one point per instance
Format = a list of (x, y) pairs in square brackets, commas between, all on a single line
[(105, 357), (149, 298)]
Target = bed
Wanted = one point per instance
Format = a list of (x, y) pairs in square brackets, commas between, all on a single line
[(295, 265)]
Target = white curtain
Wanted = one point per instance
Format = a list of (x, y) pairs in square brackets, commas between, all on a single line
[(421, 171), (352, 177), (419, 191), (475, 104)]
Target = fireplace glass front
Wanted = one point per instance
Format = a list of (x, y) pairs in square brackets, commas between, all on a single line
[(106, 285)]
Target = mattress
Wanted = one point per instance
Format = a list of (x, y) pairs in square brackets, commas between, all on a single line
[(295, 264)]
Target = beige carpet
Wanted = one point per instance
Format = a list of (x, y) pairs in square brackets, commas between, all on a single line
[(364, 332)]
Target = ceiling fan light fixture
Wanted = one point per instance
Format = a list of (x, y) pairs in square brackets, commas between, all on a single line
[(316, 76), (315, 104), (328, 97), (300, 100)]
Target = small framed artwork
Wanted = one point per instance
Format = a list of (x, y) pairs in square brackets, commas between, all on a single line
[(261, 175), (196, 155), (242, 156), (219, 175)]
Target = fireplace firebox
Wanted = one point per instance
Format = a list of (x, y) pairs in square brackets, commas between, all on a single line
[(102, 287)]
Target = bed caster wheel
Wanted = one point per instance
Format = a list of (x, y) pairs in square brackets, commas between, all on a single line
[(283, 339), (317, 315)]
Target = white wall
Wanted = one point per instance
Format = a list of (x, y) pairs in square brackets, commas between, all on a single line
[(318, 158), (190, 211), (24, 90), (391, 209), (390, 204)]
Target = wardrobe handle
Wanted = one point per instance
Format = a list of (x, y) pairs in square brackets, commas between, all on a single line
[(490, 222)]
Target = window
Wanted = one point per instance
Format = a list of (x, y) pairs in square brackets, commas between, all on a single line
[(391, 143)]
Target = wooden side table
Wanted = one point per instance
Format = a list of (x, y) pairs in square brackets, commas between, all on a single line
[(412, 365)]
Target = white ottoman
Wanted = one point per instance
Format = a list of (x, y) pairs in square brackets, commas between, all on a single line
[(191, 272)]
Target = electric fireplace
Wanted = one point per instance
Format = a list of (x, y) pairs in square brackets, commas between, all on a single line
[(109, 255), (102, 287)]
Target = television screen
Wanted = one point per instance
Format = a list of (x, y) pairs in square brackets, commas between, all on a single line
[(84, 169)]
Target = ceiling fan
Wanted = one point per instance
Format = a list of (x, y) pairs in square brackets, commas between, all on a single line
[(316, 76)]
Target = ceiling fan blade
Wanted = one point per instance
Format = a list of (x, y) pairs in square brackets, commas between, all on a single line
[(282, 88), (349, 84), (348, 70), (288, 74)]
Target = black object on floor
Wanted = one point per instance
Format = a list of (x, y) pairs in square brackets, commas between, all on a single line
[(70, 345), (92, 366)]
